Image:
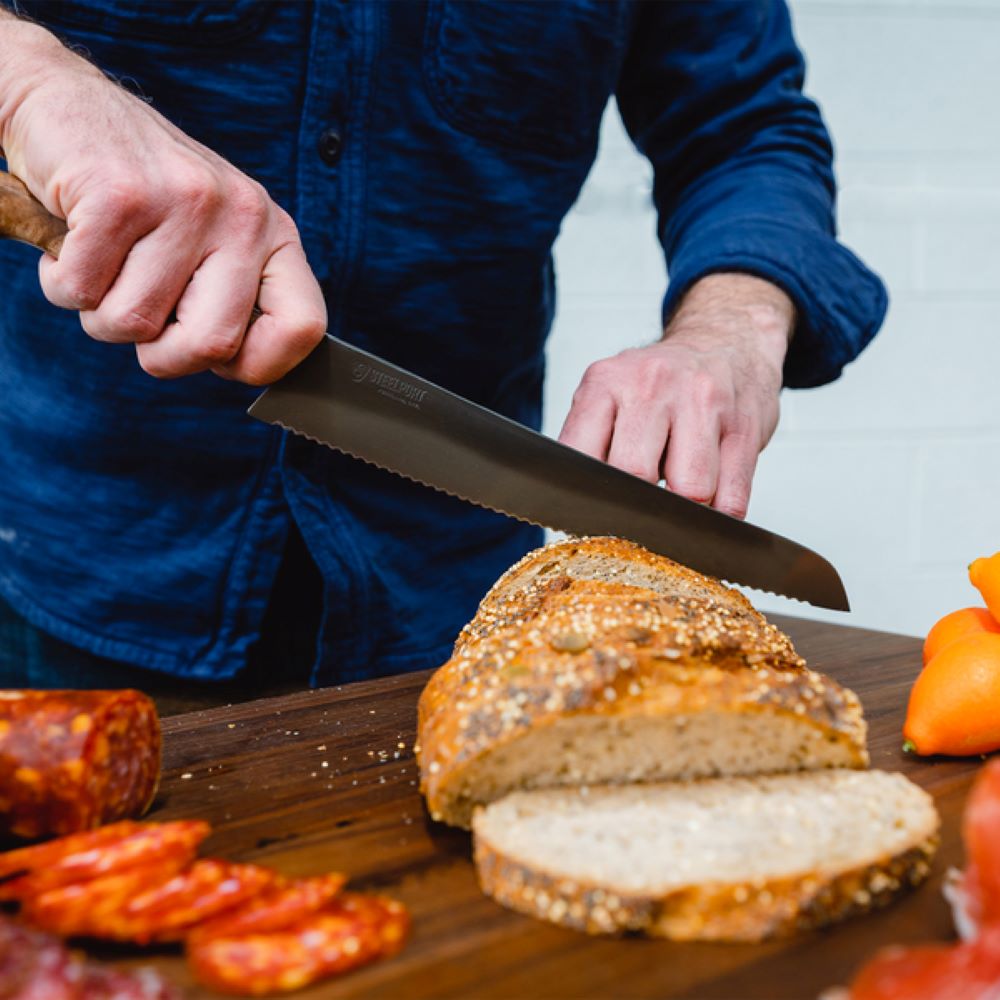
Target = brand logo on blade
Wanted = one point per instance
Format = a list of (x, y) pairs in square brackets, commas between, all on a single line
[(389, 385)]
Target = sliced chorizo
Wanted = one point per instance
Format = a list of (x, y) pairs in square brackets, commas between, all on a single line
[(164, 912), (283, 904), (98, 907), (348, 932), (27, 859), (81, 857)]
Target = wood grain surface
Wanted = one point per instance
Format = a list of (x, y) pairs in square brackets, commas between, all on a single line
[(325, 780)]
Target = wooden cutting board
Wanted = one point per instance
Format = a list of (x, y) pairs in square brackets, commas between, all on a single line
[(325, 780)]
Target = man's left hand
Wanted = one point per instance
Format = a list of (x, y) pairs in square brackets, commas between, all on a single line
[(696, 408)]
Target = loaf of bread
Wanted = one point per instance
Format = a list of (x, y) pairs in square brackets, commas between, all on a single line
[(593, 661), (734, 859), (637, 749)]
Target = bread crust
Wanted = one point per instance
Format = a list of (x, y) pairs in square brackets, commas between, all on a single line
[(746, 912), (516, 595), (615, 650)]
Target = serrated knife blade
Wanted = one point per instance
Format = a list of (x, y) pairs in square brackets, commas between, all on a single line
[(364, 406)]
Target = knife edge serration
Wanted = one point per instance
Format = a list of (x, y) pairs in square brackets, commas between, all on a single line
[(476, 503), (408, 478)]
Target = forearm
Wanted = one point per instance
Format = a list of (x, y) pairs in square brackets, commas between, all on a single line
[(28, 54)]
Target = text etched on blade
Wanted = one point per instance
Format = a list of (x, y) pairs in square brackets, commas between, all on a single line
[(391, 386)]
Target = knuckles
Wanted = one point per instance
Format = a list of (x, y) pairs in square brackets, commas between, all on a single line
[(215, 350), (210, 352), (197, 191), (292, 340), (648, 472), (237, 206), (124, 198), (309, 331), (734, 508), (151, 365), (709, 393), (122, 325), (692, 487), (79, 296), (598, 379)]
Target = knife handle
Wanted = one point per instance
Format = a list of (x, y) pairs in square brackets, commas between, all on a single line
[(23, 217)]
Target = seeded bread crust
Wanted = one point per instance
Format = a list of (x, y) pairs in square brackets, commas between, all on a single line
[(615, 650), (748, 912), (516, 595)]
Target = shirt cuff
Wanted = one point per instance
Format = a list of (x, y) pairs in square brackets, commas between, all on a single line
[(840, 302)]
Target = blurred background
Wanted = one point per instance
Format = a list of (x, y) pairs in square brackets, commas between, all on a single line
[(893, 472)]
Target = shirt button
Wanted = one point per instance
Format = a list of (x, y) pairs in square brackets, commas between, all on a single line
[(329, 146)]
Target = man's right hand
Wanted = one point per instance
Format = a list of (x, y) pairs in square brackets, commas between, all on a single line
[(169, 246)]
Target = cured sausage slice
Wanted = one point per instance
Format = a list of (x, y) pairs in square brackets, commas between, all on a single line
[(149, 903), (349, 932), (98, 907), (26, 859), (72, 760), (164, 912), (276, 908), (85, 856)]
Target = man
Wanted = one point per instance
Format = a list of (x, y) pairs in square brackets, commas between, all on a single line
[(395, 173)]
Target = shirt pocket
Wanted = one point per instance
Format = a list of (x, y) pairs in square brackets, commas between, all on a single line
[(525, 74), (198, 23)]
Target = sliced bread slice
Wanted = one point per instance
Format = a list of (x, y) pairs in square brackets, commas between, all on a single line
[(729, 859), (610, 683)]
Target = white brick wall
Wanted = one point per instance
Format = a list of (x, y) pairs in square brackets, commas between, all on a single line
[(893, 472)]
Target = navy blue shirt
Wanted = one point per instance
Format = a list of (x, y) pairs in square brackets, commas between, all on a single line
[(428, 153)]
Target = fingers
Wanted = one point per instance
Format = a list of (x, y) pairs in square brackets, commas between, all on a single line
[(212, 317), (699, 421), (128, 278), (639, 439), (142, 298), (691, 466), (738, 454), (591, 419), (101, 234), (292, 324)]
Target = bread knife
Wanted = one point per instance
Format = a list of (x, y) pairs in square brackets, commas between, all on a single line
[(366, 407)]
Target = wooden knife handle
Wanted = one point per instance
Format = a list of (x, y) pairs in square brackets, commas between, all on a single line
[(23, 217)]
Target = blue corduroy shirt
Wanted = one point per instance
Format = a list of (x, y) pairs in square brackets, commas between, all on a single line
[(428, 152)]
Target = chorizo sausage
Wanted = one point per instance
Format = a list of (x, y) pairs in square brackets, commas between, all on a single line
[(348, 932), (98, 907), (148, 903), (283, 904), (72, 760), (26, 859), (164, 912), (83, 856)]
